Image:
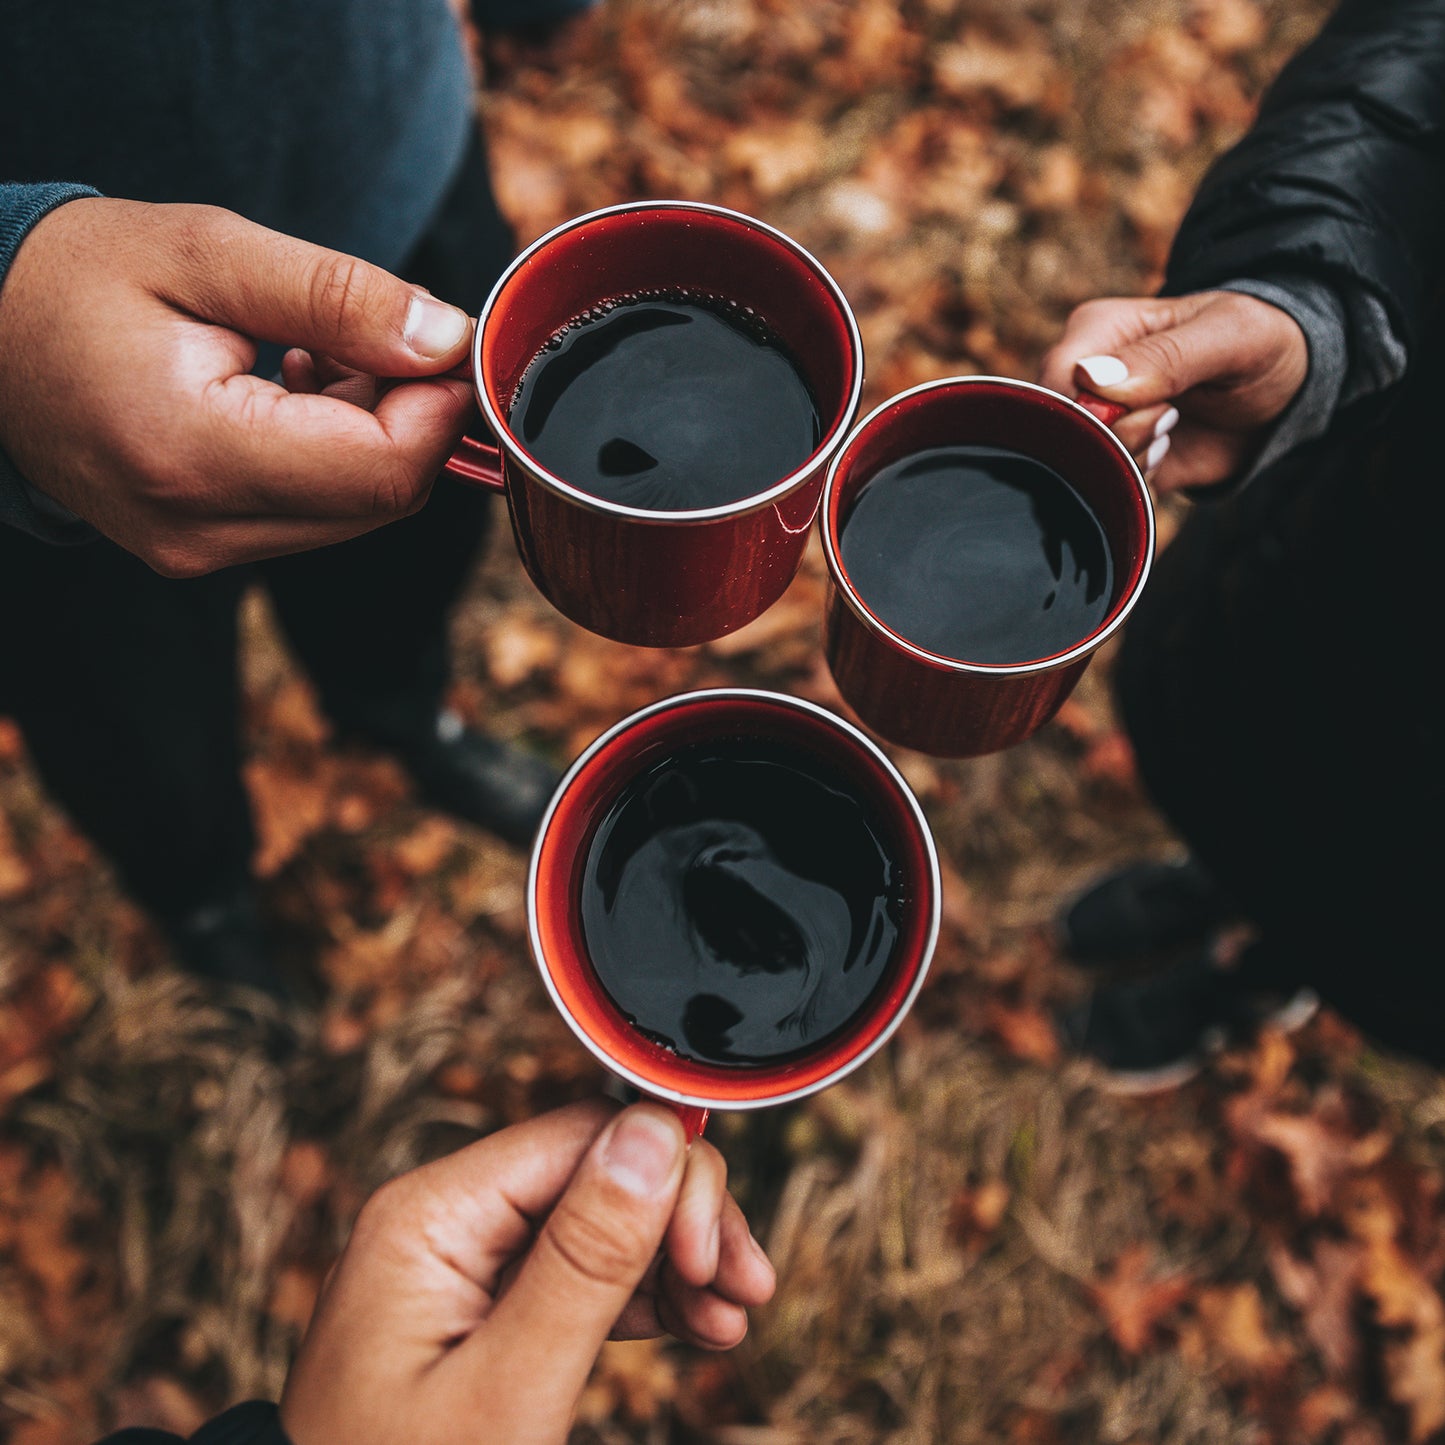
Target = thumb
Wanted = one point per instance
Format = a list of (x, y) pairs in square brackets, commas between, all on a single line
[(273, 287), (591, 1254), (1162, 365)]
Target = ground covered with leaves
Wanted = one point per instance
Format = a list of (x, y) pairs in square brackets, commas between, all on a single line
[(975, 1242)]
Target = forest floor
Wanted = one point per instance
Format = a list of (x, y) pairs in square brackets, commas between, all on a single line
[(975, 1241)]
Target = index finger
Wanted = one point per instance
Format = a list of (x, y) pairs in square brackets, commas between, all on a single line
[(271, 452), (1098, 328)]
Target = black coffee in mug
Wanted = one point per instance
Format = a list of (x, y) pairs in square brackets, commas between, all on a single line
[(666, 402), (980, 554), (738, 904)]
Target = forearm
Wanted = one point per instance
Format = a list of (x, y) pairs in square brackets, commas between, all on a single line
[(1353, 353)]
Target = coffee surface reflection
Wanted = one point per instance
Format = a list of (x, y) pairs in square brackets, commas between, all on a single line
[(979, 554), (667, 402), (738, 904)]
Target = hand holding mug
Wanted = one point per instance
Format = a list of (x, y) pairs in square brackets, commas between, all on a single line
[(1202, 377), (475, 1292), (127, 337)]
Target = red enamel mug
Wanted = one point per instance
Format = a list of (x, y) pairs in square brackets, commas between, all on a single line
[(660, 578), (584, 799), (948, 706)]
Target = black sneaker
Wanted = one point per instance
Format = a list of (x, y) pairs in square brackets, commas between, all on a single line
[(1142, 909), (227, 943), (481, 779), (1156, 1033)]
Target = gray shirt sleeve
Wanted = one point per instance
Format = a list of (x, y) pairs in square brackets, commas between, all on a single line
[(1353, 351), (22, 505)]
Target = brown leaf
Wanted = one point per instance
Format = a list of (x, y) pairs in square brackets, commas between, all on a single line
[(1017, 80), (160, 1402), (293, 1297), (1233, 1322), (779, 158), (44, 1247), (1110, 759), (1229, 27), (1057, 181), (1410, 1309), (12, 743), (632, 1379), (290, 805), (1319, 1153), (1415, 1379), (19, 1078), (1024, 1030), (1322, 1410), (520, 648), (16, 875), (1135, 1303), (293, 713), (1322, 1288), (977, 1212), (306, 1173), (426, 847)]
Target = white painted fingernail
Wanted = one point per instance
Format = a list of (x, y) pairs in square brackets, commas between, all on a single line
[(1158, 450), (1167, 422), (1103, 370)]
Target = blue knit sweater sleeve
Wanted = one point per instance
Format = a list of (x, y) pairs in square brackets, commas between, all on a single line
[(21, 505)]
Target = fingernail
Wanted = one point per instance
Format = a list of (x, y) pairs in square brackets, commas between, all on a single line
[(758, 1250), (642, 1152), (433, 328), (1103, 370), (1167, 422), (1158, 450)]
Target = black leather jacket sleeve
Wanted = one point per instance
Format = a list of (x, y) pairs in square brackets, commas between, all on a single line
[(1342, 177)]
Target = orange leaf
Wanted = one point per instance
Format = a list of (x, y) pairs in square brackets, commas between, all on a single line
[(293, 1297), (519, 649), (16, 875), (1318, 1154), (12, 743), (426, 847), (1025, 1032), (290, 806), (1323, 1289), (1135, 1304), (1232, 1317)]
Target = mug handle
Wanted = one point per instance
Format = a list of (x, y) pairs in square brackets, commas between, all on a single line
[(479, 463), (1107, 411), (694, 1119)]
